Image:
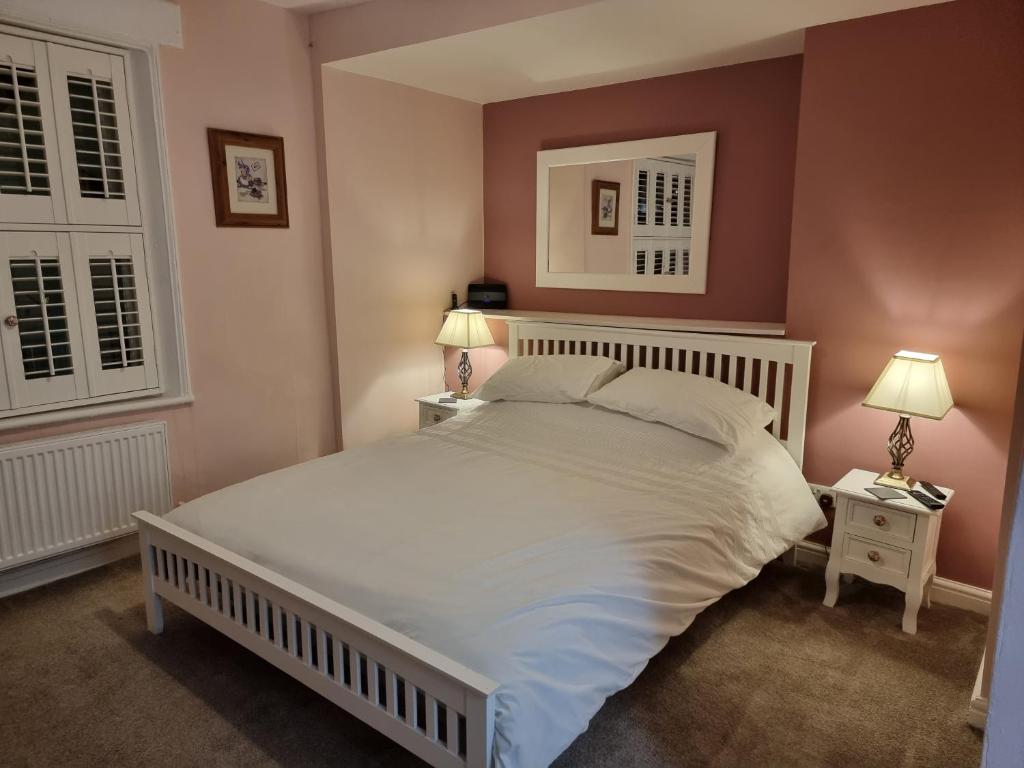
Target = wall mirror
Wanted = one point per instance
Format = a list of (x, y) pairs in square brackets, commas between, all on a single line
[(630, 216)]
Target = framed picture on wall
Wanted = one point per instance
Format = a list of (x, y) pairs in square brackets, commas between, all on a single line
[(249, 186), (604, 207)]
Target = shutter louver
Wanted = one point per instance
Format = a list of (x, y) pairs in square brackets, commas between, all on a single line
[(672, 261), (640, 262), (687, 200), (673, 218), (659, 199), (42, 317), (115, 300), (659, 260), (97, 145), (641, 197), (686, 262), (23, 167)]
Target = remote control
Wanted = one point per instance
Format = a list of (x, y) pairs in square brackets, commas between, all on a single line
[(927, 500), (932, 490)]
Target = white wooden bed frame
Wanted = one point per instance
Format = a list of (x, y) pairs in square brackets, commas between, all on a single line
[(433, 706)]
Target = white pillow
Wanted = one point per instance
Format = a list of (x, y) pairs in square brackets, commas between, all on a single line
[(550, 378), (695, 404)]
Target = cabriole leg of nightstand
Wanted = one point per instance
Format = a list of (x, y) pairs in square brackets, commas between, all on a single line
[(914, 596), (831, 582)]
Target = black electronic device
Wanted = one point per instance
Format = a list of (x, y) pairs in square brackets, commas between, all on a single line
[(486, 294), (885, 493), (932, 490), (925, 499)]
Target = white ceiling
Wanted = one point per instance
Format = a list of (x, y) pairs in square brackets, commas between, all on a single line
[(313, 6), (611, 41)]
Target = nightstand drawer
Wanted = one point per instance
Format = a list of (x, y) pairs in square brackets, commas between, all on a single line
[(430, 416), (874, 554), (878, 522)]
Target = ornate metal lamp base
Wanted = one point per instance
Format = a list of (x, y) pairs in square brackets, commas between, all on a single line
[(465, 370), (896, 480), (900, 445)]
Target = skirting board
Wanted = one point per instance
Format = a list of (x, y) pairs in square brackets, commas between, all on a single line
[(61, 566), (944, 591), (977, 713)]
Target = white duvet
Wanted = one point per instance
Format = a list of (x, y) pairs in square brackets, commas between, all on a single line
[(553, 548)]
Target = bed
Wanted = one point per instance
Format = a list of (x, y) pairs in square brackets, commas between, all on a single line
[(476, 590)]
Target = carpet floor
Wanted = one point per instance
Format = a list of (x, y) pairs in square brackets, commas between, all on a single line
[(766, 677)]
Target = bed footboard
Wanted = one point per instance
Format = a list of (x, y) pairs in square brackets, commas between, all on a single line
[(434, 707)]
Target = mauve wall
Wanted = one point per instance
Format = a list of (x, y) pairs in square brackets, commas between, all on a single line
[(255, 312), (753, 107), (908, 232)]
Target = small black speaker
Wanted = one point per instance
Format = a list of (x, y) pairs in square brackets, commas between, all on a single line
[(487, 295)]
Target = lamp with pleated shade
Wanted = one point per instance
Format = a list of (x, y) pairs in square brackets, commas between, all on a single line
[(466, 329), (912, 384)]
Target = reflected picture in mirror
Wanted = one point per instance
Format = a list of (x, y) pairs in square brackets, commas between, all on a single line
[(604, 207), (626, 223)]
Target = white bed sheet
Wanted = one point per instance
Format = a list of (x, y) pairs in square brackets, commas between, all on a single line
[(554, 548)]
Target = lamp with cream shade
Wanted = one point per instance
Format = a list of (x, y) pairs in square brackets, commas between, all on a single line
[(912, 384), (466, 329)]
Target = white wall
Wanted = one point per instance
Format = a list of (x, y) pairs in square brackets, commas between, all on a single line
[(404, 173)]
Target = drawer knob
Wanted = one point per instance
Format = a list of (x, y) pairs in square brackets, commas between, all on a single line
[(437, 417), (873, 556), (880, 520), (11, 321)]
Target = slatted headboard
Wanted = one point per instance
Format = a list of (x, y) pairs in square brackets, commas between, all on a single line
[(773, 369)]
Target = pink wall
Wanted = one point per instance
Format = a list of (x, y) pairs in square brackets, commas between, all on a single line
[(908, 232), (754, 107), (404, 173), (255, 317)]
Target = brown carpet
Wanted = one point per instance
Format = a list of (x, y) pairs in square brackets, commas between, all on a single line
[(767, 677)]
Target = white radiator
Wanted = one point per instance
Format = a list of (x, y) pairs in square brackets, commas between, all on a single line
[(71, 491)]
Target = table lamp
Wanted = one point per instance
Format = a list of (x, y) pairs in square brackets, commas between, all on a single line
[(912, 384), (467, 329)]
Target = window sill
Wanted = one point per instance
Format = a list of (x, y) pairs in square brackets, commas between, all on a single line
[(84, 412)]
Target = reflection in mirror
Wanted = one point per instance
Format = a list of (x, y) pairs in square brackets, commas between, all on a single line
[(622, 216), (629, 216)]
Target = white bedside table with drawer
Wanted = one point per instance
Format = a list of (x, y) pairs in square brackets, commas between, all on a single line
[(433, 412), (888, 542)]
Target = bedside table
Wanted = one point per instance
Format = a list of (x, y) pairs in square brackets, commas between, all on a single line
[(432, 412), (888, 542)]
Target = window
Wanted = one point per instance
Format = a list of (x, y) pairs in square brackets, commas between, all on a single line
[(76, 293), (663, 185)]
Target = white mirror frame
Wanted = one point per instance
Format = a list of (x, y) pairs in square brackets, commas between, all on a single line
[(701, 145)]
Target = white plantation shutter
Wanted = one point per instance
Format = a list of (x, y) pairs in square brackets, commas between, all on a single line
[(75, 314), (640, 261), (94, 131), (30, 181), (661, 256), (117, 329), (665, 187), (42, 345), (665, 227)]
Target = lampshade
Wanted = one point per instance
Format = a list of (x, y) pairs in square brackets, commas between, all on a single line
[(913, 383), (465, 328)]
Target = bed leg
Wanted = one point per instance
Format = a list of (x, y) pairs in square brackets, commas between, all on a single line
[(154, 613), (154, 603)]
